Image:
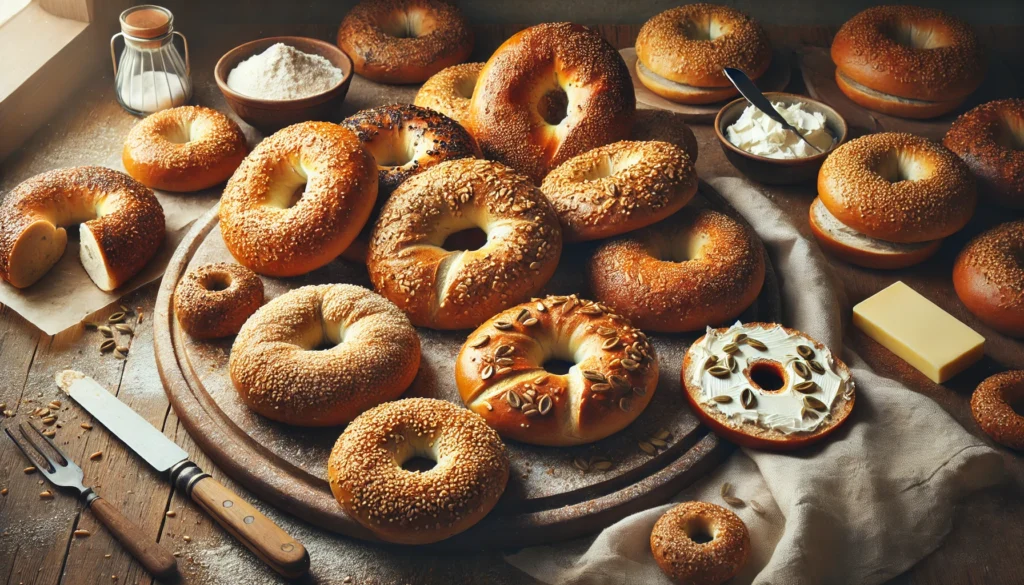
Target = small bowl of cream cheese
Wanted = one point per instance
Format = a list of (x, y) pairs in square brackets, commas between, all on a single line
[(765, 151)]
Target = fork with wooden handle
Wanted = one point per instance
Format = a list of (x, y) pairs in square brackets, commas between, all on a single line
[(62, 471)]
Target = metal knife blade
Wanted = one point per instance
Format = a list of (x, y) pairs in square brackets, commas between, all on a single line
[(750, 91), (143, 438)]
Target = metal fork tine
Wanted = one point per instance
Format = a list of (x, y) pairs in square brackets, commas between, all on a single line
[(62, 462), (41, 466)]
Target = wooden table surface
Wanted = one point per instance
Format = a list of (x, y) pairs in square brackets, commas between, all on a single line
[(37, 544)]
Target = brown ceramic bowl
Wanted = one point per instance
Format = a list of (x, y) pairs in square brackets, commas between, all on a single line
[(778, 171), (270, 115)]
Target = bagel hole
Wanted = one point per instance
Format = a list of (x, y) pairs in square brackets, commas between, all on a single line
[(178, 134), (217, 282), (1010, 133), (682, 248), (396, 152), (698, 532), (914, 37), (464, 87), (418, 464), (296, 195), (553, 106), (706, 29), (407, 25), (767, 376), (465, 240), (899, 166), (558, 366)]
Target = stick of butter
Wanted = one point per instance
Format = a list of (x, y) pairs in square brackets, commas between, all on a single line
[(919, 332)]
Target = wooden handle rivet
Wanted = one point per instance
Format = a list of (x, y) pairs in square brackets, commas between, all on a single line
[(288, 547), (228, 503), (248, 519)]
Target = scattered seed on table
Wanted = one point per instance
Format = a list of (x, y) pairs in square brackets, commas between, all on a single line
[(96, 456), (80, 533), (30, 469), (46, 495)]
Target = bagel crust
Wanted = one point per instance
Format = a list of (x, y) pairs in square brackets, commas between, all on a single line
[(404, 41), (458, 289), (500, 372), (526, 77), (897, 187), (665, 126), (214, 300), (619, 187), (299, 199), (185, 149), (989, 278), (695, 269), (281, 373), (693, 562), (450, 90), (990, 139), (992, 407), (121, 225), (418, 507)]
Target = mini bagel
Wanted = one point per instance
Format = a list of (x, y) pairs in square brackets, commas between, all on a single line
[(992, 405), (456, 289), (450, 90), (549, 93), (406, 140), (280, 373), (121, 225), (667, 127), (990, 139), (619, 187), (679, 547), (695, 269), (682, 51), (404, 41), (214, 300), (299, 199), (907, 61), (500, 372), (188, 148), (989, 278), (418, 507), (765, 386)]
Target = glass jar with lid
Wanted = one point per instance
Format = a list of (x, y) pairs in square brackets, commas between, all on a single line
[(150, 74)]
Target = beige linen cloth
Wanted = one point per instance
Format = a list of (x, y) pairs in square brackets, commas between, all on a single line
[(859, 508)]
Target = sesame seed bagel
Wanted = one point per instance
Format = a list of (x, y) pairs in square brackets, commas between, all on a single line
[(121, 225), (697, 268), (188, 148), (667, 127), (418, 507), (548, 93), (404, 41), (214, 300), (500, 372), (619, 187), (406, 140), (460, 288), (450, 90), (992, 405), (990, 139), (989, 277), (299, 199), (920, 54), (679, 546), (897, 187), (280, 371), (765, 386), (682, 51)]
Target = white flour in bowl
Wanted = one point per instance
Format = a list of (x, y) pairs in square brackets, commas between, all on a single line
[(283, 72)]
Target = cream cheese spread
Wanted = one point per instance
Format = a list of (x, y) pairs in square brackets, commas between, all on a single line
[(758, 134)]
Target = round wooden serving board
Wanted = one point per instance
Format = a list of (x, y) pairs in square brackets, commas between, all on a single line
[(548, 497)]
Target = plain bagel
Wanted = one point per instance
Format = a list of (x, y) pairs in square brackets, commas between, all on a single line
[(280, 371), (990, 139), (299, 199), (989, 277), (404, 41), (450, 91), (121, 225), (548, 93), (188, 148)]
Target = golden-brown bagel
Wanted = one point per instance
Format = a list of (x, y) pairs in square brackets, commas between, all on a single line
[(410, 506), (299, 199), (746, 385), (907, 61), (188, 148), (121, 225), (619, 187), (990, 139), (697, 543), (214, 300), (501, 376), (404, 41), (992, 405), (548, 93), (696, 269), (682, 51), (280, 370), (989, 277), (667, 127), (442, 285), (450, 90)]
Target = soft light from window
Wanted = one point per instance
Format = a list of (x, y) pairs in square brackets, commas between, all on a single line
[(9, 8)]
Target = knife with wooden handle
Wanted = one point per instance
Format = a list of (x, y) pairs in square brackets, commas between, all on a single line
[(258, 533)]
